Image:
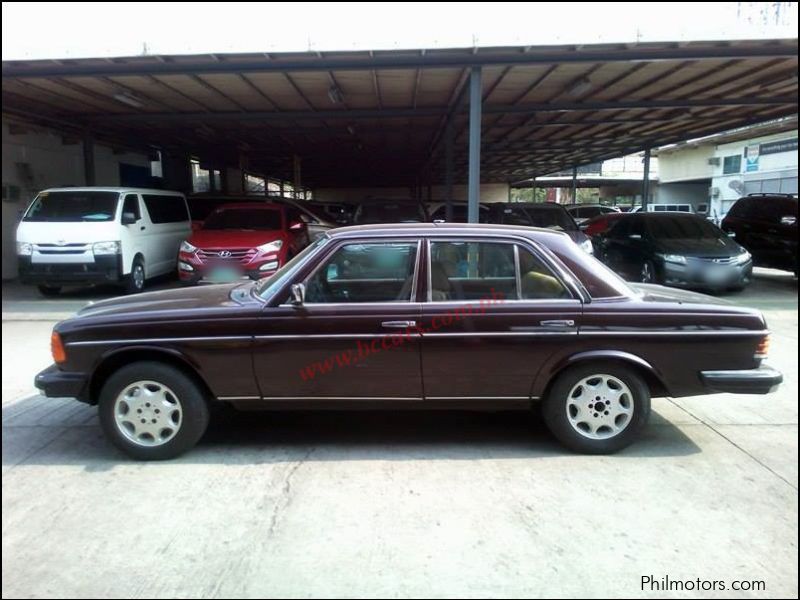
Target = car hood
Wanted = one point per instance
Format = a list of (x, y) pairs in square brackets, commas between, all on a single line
[(658, 293), (723, 246), (203, 296), (233, 238)]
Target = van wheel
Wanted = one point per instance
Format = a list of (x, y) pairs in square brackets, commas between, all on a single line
[(49, 290), (597, 408), (152, 411), (135, 281)]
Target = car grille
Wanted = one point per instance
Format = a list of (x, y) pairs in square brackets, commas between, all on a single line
[(724, 260), (60, 249), (240, 256)]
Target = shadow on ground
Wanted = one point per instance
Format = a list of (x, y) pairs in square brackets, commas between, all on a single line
[(70, 434)]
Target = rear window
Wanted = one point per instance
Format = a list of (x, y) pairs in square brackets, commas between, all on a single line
[(166, 209), (389, 212), (72, 206), (260, 219), (551, 218)]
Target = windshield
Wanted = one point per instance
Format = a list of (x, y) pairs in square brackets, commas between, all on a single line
[(683, 229), (266, 288), (246, 219), (389, 212), (73, 205), (552, 218)]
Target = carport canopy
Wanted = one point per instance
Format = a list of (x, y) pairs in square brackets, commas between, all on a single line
[(403, 117)]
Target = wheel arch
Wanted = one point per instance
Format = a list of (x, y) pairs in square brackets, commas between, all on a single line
[(652, 378), (117, 359)]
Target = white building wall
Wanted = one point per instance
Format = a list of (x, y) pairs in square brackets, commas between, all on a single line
[(50, 163), (685, 164)]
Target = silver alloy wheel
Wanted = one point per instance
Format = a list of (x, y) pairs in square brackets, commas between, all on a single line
[(148, 413), (138, 276), (647, 273), (600, 406)]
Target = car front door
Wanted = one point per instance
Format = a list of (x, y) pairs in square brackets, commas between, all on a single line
[(354, 336), (495, 312), (624, 247)]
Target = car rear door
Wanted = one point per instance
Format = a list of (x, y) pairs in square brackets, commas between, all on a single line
[(354, 337), (494, 313)]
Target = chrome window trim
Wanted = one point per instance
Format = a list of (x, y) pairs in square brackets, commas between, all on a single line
[(347, 242), (162, 340), (334, 336), (722, 332), (405, 398)]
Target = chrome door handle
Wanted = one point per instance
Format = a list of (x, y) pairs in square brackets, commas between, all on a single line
[(558, 323), (398, 324)]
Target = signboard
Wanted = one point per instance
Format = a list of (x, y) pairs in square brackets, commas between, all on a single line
[(751, 158), (789, 145)]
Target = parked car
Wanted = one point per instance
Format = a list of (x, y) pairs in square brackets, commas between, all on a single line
[(438, 212), (679, 250), (246, 239), (766, 224), (340, 213), (376, 210), (202, 205), (543, 214), (427, 315), (601, 223), (316, 220), (100, 235), (584, 212)]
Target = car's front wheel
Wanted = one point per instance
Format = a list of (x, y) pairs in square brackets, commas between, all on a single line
[(152, 411), (597, 408)]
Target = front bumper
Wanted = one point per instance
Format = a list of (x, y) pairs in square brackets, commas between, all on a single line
[(763, 380), (55, 383), (104, 269), (695, 275)]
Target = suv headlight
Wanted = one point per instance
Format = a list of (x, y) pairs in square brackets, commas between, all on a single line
[(271, 246), (743, 257), (586, 246), (24, 248), (187, 247), (102, 248), (673, 258)]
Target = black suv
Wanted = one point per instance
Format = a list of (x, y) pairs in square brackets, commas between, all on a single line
[(766, 224)]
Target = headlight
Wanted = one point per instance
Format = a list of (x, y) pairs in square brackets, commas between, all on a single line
[(673, 258), (187, 247), (586, 246), (101, 248), (271, 246), (743, 257), (24, 248)]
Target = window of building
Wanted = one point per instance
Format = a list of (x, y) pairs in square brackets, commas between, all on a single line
[(254, 184), (201, 181), (732, 164)]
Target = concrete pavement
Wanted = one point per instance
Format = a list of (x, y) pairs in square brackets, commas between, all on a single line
[(402, 504)]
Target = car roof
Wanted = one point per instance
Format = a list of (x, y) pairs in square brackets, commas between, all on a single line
[(440, 228), (92, 188)]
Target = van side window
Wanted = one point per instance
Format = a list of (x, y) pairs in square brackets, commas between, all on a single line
[(131, 205), (166, 209)]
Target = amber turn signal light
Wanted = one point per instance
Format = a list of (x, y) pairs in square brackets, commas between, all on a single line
[(763, 347), (57, 348)]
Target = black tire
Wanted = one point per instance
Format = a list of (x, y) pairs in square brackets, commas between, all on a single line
[(192, 402), (555, 408), (49, 290), (648, 267), (134, 282)]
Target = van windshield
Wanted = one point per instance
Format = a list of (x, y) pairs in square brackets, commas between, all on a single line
[(73, 205)]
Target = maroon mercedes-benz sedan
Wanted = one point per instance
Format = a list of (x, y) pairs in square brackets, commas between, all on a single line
[(418, 315)]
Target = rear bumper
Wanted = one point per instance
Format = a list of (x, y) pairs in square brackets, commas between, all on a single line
[(55, 383), (762, 380)]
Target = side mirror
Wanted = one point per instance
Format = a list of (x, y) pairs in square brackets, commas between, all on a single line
[(129, 218), (298, 294)]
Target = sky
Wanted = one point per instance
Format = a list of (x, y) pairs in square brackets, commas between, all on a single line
[(33, 30)]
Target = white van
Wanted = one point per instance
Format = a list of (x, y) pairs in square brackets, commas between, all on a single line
[(93, 235)]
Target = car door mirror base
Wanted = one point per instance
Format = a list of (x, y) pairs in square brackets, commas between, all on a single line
[(298, 294)]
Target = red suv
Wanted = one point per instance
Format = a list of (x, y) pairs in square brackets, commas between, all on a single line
[(242, 240)]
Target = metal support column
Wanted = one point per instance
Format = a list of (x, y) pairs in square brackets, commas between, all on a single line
[(448, 170), (88, 159), (533, 188), (474, 179), (575, 185), (646, 181)]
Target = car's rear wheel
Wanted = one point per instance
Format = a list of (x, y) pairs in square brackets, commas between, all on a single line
[(49, 290), (134, 283), (648, 273), (597, 408), (152, 411)]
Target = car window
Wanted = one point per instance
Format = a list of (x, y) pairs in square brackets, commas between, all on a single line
[(551, 217), (365, 272), (131, 205), (166, 209), (683, 228), (619, 229), (246, 219), (512, 215), (462, 270), (389, 211), (537, 281), (73, 206)]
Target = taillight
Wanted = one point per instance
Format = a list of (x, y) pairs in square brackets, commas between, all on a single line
[(763, 347), (57, 348)]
